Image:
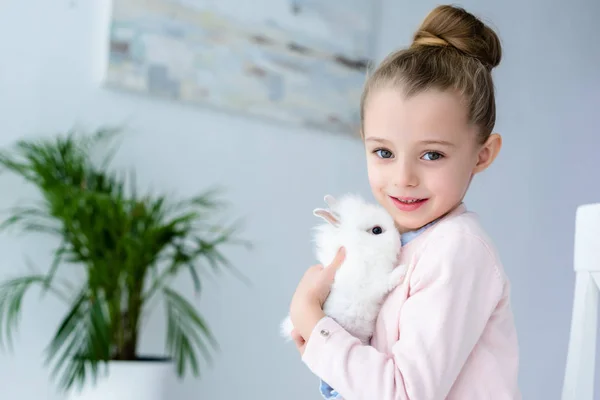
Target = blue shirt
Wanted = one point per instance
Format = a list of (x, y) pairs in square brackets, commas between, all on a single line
[(327, 391)]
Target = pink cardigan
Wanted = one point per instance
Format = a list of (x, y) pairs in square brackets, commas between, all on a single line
[(447, 332)]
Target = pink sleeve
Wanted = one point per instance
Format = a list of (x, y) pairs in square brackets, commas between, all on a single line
[(454, 289)]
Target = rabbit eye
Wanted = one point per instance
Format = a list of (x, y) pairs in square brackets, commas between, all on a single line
[(376, 230)]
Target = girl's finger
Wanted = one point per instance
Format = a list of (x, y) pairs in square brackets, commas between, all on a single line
[(298, 339), (335, 264)]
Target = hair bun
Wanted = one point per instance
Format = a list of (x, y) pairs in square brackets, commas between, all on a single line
[(453, 26)]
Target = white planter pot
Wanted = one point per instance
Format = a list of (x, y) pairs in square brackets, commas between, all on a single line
[(128, 380)]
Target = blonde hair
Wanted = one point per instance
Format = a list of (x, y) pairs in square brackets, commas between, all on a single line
[(451, 50)]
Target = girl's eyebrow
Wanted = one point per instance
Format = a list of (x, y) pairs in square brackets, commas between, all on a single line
[(440, 142), (377, 139), (426, 142)]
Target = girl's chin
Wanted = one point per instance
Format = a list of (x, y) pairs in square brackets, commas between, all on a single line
[(406, 224)]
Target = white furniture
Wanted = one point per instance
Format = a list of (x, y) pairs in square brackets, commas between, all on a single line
[(581, 357)]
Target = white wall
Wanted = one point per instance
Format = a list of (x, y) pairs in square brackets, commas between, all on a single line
[(547, 91)]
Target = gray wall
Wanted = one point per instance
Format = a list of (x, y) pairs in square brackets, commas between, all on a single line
[(548, 97)]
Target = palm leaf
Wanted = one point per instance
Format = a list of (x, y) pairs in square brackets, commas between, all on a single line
[(186, 329), (82, 341), (12, 293)]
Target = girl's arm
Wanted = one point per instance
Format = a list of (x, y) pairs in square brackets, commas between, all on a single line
[(454, 290)]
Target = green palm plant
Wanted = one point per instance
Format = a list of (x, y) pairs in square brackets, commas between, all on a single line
[(128, 247)]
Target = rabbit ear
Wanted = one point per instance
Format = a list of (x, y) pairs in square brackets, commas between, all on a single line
[(327, 215), (330, 201)]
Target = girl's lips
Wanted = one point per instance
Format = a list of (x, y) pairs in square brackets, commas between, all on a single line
[(408, 203)]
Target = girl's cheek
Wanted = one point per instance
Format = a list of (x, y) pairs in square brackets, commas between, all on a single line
[(376, 176)]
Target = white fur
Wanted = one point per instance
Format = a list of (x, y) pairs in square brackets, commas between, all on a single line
[(369, 271)]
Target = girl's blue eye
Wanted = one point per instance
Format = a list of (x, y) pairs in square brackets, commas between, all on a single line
[(432, 156), (383, 153)]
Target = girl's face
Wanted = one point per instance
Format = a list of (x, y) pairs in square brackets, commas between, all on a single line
[(422, 153)]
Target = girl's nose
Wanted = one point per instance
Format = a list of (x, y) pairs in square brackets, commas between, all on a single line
[(406, 175)]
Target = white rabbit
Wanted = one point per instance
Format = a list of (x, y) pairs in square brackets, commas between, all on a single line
[(370, 269)]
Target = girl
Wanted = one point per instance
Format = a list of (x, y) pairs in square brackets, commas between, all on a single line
[(447, 332)]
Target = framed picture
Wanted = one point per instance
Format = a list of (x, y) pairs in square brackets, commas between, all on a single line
[(301, 62)]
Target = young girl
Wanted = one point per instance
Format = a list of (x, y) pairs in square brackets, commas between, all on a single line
[(447, 332)]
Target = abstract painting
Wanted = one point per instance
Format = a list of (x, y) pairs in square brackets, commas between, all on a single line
[(302, 62)]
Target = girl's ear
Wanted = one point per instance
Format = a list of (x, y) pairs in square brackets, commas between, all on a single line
[(327, 215), (488, 152)]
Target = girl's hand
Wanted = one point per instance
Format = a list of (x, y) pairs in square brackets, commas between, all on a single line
[(306, 308), (299, 341)]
